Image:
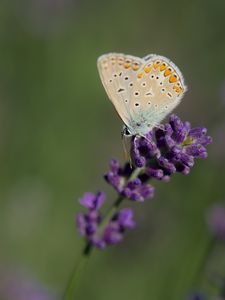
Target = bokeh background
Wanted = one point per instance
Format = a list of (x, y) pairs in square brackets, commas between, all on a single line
[(58, 131)]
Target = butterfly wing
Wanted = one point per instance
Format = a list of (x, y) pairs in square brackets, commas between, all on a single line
[(143, 91), (158, 89), (118, 75)]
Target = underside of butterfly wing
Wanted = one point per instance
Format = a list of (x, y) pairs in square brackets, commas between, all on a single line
[(118, 73), (143, 91), (157, 90)]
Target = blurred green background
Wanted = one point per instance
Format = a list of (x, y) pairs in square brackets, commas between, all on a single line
[(58, 131)]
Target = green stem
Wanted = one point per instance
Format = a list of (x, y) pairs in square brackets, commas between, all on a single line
[(76, 274), (78, 270)]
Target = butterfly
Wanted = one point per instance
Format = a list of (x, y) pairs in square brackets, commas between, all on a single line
[(143, 90)]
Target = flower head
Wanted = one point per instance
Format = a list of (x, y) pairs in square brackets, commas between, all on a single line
[(161, 153), (170, 149)]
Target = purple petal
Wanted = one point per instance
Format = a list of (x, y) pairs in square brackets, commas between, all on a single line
[(197, 133), (125, 218), (88, 200)]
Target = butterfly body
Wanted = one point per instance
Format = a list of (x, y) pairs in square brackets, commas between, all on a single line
[(143, 90)]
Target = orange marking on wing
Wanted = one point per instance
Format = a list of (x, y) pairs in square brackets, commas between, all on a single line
[(127, 65), (139, 75), (177, 89), (162, 67), (135, 67), (156, 64), (167, 72), (147, 69), (173, 78)]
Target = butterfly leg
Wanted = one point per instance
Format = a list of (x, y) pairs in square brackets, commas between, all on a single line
[(125, 141)]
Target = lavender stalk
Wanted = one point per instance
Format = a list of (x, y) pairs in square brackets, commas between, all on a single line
[(159, 155)]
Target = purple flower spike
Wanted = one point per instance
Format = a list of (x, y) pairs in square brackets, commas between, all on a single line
[(157, 155), (216, 221)]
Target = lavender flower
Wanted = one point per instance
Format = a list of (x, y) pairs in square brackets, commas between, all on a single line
[(216, 221), (161, 153), (170, 149), (88, 223)]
